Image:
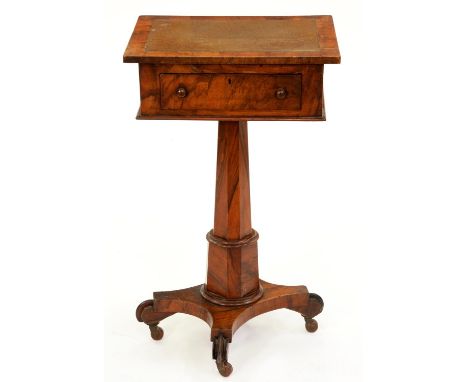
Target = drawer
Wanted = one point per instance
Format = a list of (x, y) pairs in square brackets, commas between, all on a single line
[(230, 92)]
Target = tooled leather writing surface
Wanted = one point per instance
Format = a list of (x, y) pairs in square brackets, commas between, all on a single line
[(198, 34), (233, 40)]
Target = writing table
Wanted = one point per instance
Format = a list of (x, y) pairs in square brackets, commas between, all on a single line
[(231, 69)]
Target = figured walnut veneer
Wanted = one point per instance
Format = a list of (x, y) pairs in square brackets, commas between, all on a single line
[(231, 92)]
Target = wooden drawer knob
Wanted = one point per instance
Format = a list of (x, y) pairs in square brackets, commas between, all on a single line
[(181, 92), (281, 93)]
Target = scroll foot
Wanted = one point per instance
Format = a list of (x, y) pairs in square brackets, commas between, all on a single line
[(220, 349), (314, 308)]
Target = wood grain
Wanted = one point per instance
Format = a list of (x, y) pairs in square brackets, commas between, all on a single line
[(223, 319), (226, 92), (250, 93), (232, 252)]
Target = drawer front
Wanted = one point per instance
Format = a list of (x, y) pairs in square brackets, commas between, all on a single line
[(230, 92)]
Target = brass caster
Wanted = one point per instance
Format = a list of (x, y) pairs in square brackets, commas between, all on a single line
[(220, 349), (225, 369), (311, 325), (156, 332)]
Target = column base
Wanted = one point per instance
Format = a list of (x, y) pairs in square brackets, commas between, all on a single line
[(225, 320), (220, 300)]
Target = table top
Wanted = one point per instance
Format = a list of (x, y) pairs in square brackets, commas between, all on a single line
[(233, 40)]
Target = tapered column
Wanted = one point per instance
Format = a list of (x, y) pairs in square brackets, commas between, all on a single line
[(232, 277)]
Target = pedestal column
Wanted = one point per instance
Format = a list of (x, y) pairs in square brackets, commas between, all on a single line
[(232, 276), (233, 293)]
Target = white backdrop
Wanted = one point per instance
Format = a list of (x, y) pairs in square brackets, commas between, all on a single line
[(368, 209)]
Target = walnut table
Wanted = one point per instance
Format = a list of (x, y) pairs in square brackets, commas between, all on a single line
[(231, 69)]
